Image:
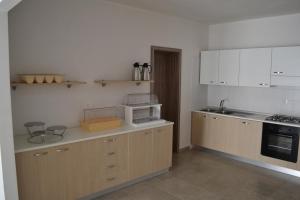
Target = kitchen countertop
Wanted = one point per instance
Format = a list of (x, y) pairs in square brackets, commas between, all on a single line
[(254, 116), (73, 135)]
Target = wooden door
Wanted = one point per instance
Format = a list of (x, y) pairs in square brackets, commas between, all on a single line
[(166, 74), (162, 148), (229, 67), (199, 128), (255, 67), (140, 153), (209, 71)]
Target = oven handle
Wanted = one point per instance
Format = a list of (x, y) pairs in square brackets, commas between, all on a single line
[(280, 147), (281, 135)]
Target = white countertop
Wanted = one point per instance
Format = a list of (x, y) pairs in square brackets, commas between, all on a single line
[(252, 116), (77, 135)]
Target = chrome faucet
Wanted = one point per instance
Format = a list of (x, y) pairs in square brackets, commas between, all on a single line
[(221, 106)]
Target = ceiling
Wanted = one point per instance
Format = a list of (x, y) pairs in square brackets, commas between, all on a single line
[(217, 11)]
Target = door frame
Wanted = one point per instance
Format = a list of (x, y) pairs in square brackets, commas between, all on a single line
[(179, 52)]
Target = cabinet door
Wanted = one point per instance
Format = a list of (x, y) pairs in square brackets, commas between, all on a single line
[(34, 175), (255, 67), (214, 137), (229, 67), (250, 134), (199, 128), (209, 67), (140, 153), (162, 148), (286, 61)]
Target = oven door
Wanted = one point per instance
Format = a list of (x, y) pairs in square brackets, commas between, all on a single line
[(280, 142)]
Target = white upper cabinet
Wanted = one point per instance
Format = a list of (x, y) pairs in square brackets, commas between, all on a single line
[(285, 66), (209, 67), (255, 67), (229, 67), (286, 61)]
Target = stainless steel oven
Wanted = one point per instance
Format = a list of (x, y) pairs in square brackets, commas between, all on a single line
[(280, 141)]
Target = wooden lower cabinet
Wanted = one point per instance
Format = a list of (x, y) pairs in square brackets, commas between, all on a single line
[(72, 171), (150, 151), (140, 153), (227, 134), (162, 148)]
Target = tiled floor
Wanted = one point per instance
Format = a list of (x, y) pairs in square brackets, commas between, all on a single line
[(200, 175)]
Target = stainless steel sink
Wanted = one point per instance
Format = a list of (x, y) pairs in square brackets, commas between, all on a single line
[(227, 112)]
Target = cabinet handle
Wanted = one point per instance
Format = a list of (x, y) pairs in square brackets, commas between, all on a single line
[(111, 166), (222, 82), (211, 81), (40, 154), (111, 179), (110, 140), (147, 133), (62, 150), (245, 123), (111, 153), (215, 118), (263, 84), (204, 116), (278, 73), (159, 130)]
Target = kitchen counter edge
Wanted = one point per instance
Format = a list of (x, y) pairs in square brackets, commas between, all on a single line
[(253, 117), (74, 135)]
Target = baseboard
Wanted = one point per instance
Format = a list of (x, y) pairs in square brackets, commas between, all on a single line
[(183, 149), (252, 162)]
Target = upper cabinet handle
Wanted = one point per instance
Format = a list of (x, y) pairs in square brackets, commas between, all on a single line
[(264, 84), (222, 82), (278, 73)]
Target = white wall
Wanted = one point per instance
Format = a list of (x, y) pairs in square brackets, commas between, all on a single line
[(7, 157), (90, 40), (265, 32)]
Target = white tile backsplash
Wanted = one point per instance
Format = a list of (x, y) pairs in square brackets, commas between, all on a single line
[(283, 100)]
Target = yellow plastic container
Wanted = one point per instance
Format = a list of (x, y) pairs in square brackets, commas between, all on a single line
[(101, 124)]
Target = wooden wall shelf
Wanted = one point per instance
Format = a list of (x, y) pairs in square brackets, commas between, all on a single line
[(103, 83), (69, 84)]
